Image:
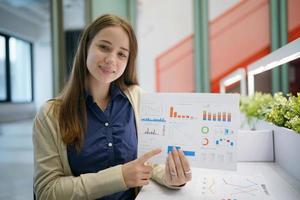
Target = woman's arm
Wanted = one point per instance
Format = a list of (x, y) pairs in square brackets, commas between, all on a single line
[(50, 180)]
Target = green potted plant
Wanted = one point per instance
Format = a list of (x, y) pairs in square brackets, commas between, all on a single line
[(284, 114), (255, 144), (255, 108), (285, 111)]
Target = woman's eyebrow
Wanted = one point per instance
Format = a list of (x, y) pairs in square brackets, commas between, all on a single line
[(108, 42), (124, 49)]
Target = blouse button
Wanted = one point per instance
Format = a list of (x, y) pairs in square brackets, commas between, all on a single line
[(106, 124), (110, 144)]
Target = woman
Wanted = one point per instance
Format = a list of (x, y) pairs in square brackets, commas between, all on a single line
[(85, 140)]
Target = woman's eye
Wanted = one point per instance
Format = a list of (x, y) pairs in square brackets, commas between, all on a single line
[(122, 55), (104, 47)]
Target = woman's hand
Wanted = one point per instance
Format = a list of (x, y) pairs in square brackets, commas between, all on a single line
[(137, 173), (177, 170)]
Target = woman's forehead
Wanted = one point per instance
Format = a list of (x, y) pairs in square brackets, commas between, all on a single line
[(116, 35)]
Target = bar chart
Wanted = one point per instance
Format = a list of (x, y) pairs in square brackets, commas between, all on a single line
[(154, 130), (151, 132), (175, 114), (216, 116)]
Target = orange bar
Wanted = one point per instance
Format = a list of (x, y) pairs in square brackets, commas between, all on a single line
[(204, 115), (171, 111), (224, 116), (229, 117), (219, 116), (209, 116), (175, 114)]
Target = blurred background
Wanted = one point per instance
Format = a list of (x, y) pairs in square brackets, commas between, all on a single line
[(184, 46)]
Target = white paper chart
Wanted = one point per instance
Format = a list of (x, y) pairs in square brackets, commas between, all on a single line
[(204, 126), (232, 187)]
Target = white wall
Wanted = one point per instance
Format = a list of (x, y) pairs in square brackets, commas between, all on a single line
[(15, 24), (160, 25), (43, 72)]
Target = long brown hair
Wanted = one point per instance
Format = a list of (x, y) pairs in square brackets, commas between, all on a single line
[(71, 110)]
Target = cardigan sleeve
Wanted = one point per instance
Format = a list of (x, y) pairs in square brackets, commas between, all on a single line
[(50, 180)]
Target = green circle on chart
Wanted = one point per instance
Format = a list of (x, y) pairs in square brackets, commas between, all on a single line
[(205, 129)]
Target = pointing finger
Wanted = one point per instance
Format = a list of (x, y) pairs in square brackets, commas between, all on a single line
[(148, 155)]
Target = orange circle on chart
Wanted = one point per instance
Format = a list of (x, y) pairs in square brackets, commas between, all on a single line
[(205, 141)]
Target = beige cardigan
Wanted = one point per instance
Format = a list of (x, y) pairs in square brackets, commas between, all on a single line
[(53, 178)]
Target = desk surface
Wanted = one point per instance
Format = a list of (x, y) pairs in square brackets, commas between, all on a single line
[(280, 185)]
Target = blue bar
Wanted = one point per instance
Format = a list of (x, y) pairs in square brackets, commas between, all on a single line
[(186, 153), (153, 119), (189, 153), (170, 148)]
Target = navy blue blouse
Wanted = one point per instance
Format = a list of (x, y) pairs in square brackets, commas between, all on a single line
[(110, 139)]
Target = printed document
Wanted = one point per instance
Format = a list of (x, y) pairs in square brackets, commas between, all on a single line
[(204, 126)]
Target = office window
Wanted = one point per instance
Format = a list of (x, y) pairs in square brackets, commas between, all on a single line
[(20, 70), (3, 91), (15, 70)]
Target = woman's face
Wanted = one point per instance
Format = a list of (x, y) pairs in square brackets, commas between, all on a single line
[(108, 55)]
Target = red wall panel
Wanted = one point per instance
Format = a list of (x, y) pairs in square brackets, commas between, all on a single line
[(175, 68), (293, 19), (238, 37)]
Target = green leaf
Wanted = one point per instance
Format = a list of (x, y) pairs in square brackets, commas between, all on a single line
[(279, 109)]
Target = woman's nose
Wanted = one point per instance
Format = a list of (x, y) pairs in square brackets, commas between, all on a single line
[(109, 59)]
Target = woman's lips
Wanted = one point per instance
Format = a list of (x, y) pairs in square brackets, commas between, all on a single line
[(106, 70)]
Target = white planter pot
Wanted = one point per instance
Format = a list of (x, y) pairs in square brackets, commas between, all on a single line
[(254, 123), (255, 145), (264, 125), (286, 147), (287, 150)]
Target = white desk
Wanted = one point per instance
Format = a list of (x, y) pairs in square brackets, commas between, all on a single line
[(280, 185)]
